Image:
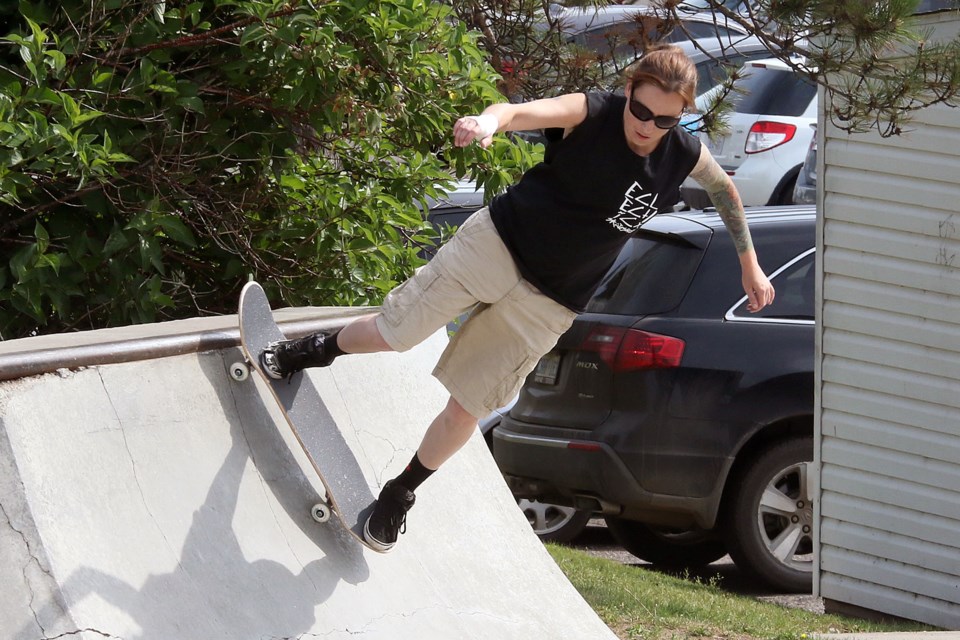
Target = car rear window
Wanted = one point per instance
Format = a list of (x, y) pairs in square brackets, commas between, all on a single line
[(713, 71), (651, 275), (773, 92)]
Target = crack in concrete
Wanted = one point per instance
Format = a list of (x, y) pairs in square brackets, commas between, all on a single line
[(136, 475), (79, 631), (360, 432), (31, 559)]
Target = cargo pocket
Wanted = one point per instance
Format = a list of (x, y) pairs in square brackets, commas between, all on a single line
[(402, 301), (511, 384)]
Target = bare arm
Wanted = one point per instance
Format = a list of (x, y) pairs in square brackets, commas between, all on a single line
[(564, 112), (723, 193)]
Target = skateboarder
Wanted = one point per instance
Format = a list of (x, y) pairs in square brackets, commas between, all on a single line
[(530, 262)]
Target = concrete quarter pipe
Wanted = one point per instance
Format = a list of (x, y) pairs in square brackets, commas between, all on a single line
[(156, 499)]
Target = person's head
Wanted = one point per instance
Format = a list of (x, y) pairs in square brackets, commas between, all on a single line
[(659, 87)]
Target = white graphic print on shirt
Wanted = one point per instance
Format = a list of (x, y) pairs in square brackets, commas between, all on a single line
[(638, 207)]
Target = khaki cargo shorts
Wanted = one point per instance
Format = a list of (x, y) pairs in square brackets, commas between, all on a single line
[(510, 327)]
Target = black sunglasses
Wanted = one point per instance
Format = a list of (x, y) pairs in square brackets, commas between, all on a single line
[(640, 112)]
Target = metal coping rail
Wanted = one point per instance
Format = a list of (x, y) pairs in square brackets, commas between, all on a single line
[(46, 354)]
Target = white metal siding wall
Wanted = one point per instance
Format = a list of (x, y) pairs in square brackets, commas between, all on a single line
[(889, 369)]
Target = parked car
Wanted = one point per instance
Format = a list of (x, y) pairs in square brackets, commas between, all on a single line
[(449, 211), (806, 190), (613, 33), (551, 522), (668, 407), (615, 30), (769, 135)]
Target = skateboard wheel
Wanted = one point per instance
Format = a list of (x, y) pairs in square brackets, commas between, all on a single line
[(239, 371), (320, 512)]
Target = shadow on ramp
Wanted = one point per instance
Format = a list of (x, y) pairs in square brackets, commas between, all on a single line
[(158, 499), (266, 597)]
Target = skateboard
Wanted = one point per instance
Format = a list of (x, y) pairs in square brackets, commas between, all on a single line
[(349, 497)]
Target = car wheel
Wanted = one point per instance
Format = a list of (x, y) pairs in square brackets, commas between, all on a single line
[(770, 521), (666, 546), (785, 195), (554, 523)]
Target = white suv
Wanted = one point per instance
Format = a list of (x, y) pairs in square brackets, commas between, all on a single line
[(769, 135)]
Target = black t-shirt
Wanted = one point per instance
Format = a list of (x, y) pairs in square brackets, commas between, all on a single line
[(567, 218)]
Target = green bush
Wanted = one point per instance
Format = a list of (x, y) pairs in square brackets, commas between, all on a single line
[(154, 155)]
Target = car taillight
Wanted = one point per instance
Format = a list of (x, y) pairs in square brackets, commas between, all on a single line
[(631, 349), (764, 136)]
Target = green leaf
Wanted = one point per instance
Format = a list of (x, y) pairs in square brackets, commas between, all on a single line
[(292, 182), (43, 238), (177, 231), (191, 103), (159, 8), (151, 254), (51, 260), (57, 60), (22, 261), (253, 33), (117, 241)]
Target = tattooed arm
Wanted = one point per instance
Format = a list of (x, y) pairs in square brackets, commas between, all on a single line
[(725, 198)]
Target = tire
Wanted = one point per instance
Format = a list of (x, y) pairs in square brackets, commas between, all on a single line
[(769, 524), (554, 523), (667, 547), (785, 194)]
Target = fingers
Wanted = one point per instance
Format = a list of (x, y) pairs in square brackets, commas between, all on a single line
[(760, 297), (466, 130), (480, 128), (760, 292)]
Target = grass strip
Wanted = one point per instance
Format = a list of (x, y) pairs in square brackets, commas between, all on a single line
[(637, 603)]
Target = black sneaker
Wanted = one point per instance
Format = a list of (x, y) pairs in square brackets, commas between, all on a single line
[(389, 517), (285, 358)]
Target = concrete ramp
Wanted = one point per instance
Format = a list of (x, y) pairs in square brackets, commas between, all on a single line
[(157, 499)]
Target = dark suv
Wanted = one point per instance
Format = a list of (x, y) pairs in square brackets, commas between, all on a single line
[(682, 417)]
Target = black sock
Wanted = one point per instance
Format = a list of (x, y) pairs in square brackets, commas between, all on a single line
[(330, 346), (414, 475)]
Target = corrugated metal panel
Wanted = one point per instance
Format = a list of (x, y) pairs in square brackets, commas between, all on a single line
[(892, 601), (902, 273), (913, 386), (883, 544), (893, 352), (906, 190), (877, 213), (894, 243), (882, 296), (939, 336), (895, 492), (896, 158), (894, 521), (914, 580), (888, 399), (882, 417), (936, 479)]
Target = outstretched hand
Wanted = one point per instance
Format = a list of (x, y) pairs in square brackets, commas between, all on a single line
[(470, 128)]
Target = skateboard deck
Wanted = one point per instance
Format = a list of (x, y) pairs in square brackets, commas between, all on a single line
[(348, 494)]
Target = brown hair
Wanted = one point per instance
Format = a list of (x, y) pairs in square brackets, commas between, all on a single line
[(667, 67)]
